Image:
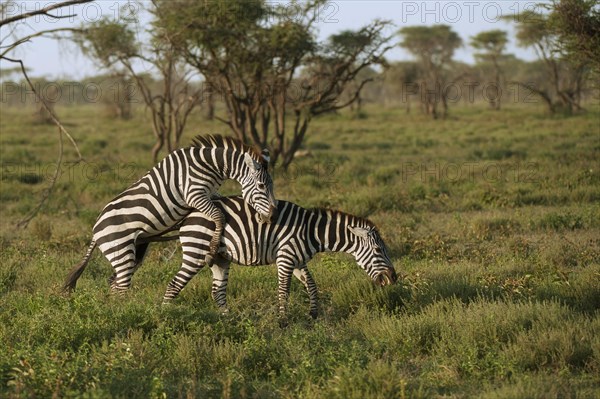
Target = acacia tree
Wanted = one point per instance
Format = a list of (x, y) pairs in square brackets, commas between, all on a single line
[(266, 65), (577, 22), (577, 25), (434, 48), (493, 44), (114, 45), (566, 79)]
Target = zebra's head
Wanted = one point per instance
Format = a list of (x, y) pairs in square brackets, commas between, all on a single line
[(371, 254), (257, 186)]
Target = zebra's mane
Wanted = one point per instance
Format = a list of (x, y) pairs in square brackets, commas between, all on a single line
[(356, 219), (219, 141)]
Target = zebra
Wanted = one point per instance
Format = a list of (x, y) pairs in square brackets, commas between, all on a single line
[(290, 241), (183, 181)]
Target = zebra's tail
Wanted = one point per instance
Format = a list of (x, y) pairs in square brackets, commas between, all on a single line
[(76, 271)]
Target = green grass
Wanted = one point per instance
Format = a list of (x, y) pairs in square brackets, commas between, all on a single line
[(492, 220)]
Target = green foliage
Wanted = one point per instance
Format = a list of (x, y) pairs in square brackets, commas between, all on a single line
[(577, 23), (492, 222), (435, 45), (532, 28), (493, 41), (280, 67), (108, 41), (559, 221)]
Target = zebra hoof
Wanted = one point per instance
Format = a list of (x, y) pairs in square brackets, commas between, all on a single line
[(313, 314), (283, 322), (224, 311), (118, 292)]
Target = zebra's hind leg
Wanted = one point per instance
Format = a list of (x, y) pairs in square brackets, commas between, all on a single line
[(306, 279), (140, 254), (220, 271), (194, 254), (122, 257)]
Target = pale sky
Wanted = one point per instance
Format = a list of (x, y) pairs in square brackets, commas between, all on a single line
[(53, 59)]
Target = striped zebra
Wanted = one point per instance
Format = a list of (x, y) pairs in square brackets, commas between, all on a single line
[(290, 241), (184, 181)]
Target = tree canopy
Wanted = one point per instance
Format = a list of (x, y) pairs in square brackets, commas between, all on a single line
[(265, 64), (492, 42), (577, 24), (434, 45)]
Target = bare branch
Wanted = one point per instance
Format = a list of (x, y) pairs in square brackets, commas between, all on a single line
[(37, 34), (44, 11), (353, 98)]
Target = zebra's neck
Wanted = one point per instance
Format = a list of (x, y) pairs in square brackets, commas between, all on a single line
[(224, 163), (331, 231), (234, 165)]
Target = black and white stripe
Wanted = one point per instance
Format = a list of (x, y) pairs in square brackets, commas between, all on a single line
[(290, 241), (184, 181)]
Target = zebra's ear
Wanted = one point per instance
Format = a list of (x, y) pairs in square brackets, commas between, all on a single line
[(266, 155), (359, 231), (251, 163)]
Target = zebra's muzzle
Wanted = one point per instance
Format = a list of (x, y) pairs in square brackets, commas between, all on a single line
[(387, 277), (269, 217), (274, 213)]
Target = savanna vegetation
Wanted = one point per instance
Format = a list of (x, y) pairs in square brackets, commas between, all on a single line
[(484, 180), (491, 218)]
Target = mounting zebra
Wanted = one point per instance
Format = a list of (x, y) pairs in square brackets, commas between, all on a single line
[(290, 241), (184, 181)]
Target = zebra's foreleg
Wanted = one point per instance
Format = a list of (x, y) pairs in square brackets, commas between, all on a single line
[(284, 277), (208, 208), (218, 217), (305, 277), (220, 271)]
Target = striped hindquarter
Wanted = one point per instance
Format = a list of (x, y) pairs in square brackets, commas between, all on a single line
[(290, 242)]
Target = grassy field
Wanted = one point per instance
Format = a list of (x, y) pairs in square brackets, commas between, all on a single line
[(492, 220)]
